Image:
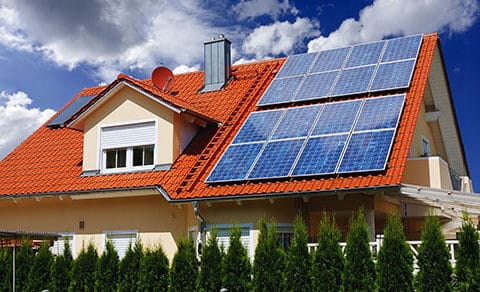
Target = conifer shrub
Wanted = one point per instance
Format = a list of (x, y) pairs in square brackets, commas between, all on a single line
[(39, 276), (5, 269), (153, 274), (468, 258), (269, 261), (106, 274), (298, 265), (209, 278), (83, 270), (129, 267), (435, 271), (359, 273), (184, 271), (395, 259), (236, 266), (61, 270), (23, 263), (328, 258)]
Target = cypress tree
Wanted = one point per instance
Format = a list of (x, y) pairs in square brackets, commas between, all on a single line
[(106, 274), (236, 266), (184, 271), (435, 271), (39, 276), (5, 269), (211, 265), (83, 270), (153, 274), (269, 261), (23, 263), (328, 259), (297, 272), (61, 270), (395, 259), (359, 273), (129, 267), (468, 257)]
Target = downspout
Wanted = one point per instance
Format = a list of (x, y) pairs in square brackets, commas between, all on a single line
[(203, 229)]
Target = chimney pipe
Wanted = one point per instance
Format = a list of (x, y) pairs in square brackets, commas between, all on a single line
[(217, 67)]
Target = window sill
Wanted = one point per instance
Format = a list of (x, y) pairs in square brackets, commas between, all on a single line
[(158, 167)]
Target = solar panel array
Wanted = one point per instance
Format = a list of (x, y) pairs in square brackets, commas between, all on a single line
[(70, 110), (362, 68), (330, 138)]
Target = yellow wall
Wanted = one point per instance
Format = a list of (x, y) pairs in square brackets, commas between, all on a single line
[(422, 128), (428, 171)]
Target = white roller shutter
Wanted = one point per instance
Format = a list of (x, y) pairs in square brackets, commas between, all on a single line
[(121, 242), (223, 239), (128, 135), (59, 245)]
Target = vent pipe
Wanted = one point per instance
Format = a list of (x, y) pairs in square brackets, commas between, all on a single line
[(217, 65)]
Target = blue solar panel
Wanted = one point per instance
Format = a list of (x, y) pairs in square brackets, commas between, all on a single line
[(352, 81), (70, 110), (316, 86), (337, 117), (380, 113), (393, 75), (296, 65), (258, 126), (402, 48), (367, 151), (320, 155), (365, 54), (277, 159), (235, 162), (297, 122), (280, 90), (330, 60)]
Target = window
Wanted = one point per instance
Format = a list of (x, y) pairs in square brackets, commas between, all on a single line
[(285, 235), (128, 158), (116, 158), (121, 240), (143, 155), (223, 237), (59, 245), (426, 147)]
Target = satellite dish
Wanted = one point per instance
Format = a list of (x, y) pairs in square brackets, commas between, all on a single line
[(162, 78)]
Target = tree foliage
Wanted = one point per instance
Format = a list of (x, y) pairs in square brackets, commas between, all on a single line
[(395, 259), (435, 272), (184, 271), (106, 274), (61, 270), (359, 273), (153, 274), (23, 263), (236, 266), (468, 258), (83, 270), (328, 259), (129, 267), (39, 276), (297, 271), (5, 269), (211, 265)]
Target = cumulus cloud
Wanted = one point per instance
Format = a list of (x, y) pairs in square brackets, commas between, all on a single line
[(18, 120), (385, 18), (279, 37), (184, 69), (249, 9)]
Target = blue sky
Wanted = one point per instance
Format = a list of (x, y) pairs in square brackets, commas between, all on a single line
[(49, 50)]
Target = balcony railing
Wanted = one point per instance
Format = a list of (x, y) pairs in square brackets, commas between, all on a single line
[(456, 180)]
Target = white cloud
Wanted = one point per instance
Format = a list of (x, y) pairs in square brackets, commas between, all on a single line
[(401, 17), (279, 37), (243, 61), (18, 120), (247, 9), (184, 69)]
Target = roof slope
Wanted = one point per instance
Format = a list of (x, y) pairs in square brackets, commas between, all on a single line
[(50, 160)]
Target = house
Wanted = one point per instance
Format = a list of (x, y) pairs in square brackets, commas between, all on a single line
[(369, 125)]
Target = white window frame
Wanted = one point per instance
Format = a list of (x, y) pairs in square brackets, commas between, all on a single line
[(109, 233), (59, 244), (426, 147)]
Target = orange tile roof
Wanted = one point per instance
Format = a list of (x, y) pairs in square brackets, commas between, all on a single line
[(50, 160)]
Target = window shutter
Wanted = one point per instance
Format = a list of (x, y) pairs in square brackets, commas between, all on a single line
[(122, 241), (223, 238), (128, 135), (59, 245)]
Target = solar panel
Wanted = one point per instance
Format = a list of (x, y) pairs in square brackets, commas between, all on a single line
[(258, 126), (402, 48), (297, 65), (337, 117), (70, 110), (235, 162), (277, 159), (330, 60), (365, 54), (320, 155), (380, 113), (316, 86), (353, 81), (367, 151), (393, 75), (280, 90), (297, 122)]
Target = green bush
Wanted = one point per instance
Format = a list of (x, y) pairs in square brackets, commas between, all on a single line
[(298, 266), (269, 261), (328, 259), (468, 257), (236, 266), (211, 265), (23, 263), (61, 270), (359, 273), (184, 271), (435, 272), (395, 259), (106, 274), (83, 270), (129, 267), (39, 276), (5, 269), (153, 274)]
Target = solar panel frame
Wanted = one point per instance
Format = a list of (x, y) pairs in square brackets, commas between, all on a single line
[(330, 60), (402, 48), (280, 91), (358, 78), (263, 121), (365, 54), (321, 84), (347, 111), (393, 75), (292, 67), (70, 110), (377, 111), (296, 122)]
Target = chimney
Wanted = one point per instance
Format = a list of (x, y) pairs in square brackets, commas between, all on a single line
[(217, 64)]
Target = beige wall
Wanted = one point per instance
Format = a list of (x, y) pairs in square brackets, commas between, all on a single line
[(428, 171), (422, 129)]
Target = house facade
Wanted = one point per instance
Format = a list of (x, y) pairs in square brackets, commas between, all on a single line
[(149, 159)]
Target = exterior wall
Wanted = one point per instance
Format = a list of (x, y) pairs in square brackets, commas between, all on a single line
[(422, 129), (428, 171)]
